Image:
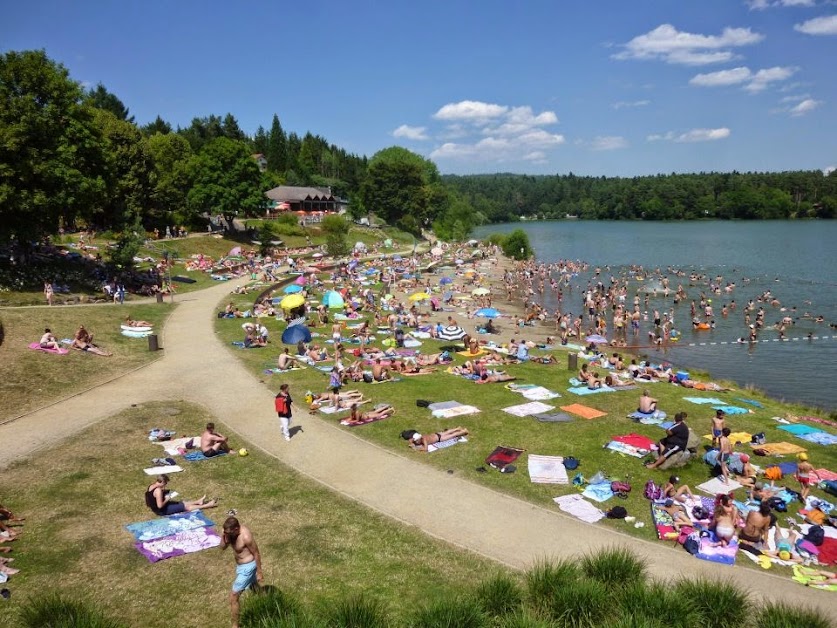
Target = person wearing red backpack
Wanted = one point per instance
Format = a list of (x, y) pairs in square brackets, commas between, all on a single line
[(284, 404)]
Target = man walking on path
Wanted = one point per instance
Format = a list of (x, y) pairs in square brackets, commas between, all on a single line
[(283, 409), (248, 562)]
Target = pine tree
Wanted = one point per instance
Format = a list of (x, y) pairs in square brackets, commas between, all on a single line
[(277, 147)]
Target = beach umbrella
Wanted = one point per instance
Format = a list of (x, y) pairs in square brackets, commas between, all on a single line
[(300, 281), (480, 292), (294, 333), (292, 289), (445, 281), (291, 301), (333, 300), (447, 296), (419, 296), (487, 312), (451, 332), (596, 339)]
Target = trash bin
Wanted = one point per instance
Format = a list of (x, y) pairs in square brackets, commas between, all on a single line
[(153, 344), (572, 361), (159, 297)]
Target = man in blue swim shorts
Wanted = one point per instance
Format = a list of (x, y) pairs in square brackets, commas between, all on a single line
[(248, 560)]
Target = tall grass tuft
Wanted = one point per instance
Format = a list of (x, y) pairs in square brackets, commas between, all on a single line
[(58, 611), (450, 613), (718, 604), (614, 567), (499, 596), (581, 604), (357, 611), (268, 607), (523, 619), (657, 602), (780, 615), (546, 578)]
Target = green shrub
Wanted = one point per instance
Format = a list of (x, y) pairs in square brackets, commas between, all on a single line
[(781, 615), (357, 611), (718, 604), (657, 602), (627, 621), (59, 611), (268, 607), (499, 596), (614, 567), (581, 604), (450, 613), (546, 578), (522, 619)]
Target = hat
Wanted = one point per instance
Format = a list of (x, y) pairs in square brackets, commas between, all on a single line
[(784, 555), (416, 436), (803, 456), (744, 458)]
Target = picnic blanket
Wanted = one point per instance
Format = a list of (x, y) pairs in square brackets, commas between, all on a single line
[(168, 468), (555, 417), (198, 456), (585, 412), (773, 449), (502, 456), (723, 555), (448, 413), (547, 469), (525, 409), (178, 544), (583, 390), (716, 486), (166, 526), (446, 443), (59, 351), (579, 508)]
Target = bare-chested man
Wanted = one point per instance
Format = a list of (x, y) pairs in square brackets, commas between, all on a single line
[(757, 524), (248, 562), (379, 372), (213, 443), (647, 403)]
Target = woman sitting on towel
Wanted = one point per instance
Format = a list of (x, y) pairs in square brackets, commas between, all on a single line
[(158, 499), (725, 520), (48, 341), (419, 443), (84, 340)]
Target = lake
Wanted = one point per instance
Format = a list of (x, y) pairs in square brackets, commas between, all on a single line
[(795, 260)]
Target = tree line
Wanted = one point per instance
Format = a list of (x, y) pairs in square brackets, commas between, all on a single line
[(734, 195)]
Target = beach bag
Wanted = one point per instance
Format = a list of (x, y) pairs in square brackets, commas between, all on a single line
[(815, 535), (830, 486), (617, 512), (692, 543), (620, 487), (367, 378), (773, 473), (699, 513), (281, 404), (759, 439), (652, 491), (777, 504), (422, 403), (571, 463)]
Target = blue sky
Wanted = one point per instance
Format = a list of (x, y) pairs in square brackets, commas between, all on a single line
[(616, 87)]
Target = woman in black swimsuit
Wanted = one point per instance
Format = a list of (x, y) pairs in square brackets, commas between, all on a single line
[(420, 443), (158, 499)]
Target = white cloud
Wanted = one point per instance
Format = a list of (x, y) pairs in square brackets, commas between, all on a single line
[(521, 119), (667, 43), (828, 170), (825, 25), (608, 142), (536, 156), (470, 110), (755, 82), (695, 135), (760, 5), (622, 104), (722, 77), (502, 148), (795, 98), (411, 132), (806, 106)]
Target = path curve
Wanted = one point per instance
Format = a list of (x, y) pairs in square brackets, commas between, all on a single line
[(198, 368)]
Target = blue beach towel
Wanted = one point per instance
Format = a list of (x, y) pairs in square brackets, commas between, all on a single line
[(731, 409), (798, 429), (197, 456), (819, 438), (583, 390), (165, 526), (752, 402), (598, 492), (704, 400)]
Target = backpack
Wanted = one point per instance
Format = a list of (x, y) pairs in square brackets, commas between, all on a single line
[(620, 487), (281, 404), (777, 504), (816, 535), (692, 543), (422, 403), (617, 512), (700, 513), (830, 487), (571, 463), (759, 439), (652, 491), (367, 378)]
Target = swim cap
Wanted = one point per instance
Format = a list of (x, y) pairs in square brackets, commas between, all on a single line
[(803, 456), (744, 458), (784, 555), (416, 436)]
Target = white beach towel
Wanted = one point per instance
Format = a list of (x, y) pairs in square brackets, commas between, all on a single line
[(547, 470), (446, 443), (715, 486), (169, 468), (447, 413), (579, 508), (526, 409)]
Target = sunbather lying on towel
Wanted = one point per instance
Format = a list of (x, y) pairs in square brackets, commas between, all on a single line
[(613, 381), (679, 518), (375, 414), (130, 322), (419, 443), (337, 399), (485, 378), (710, 386), (158, 499)]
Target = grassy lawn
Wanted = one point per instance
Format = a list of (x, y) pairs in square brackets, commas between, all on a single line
[(316, 545), (32, 379), (581, 438)]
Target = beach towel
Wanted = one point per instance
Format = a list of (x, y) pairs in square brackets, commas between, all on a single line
[(515, 387), (557, 417), (331, 409), (635, 440), (278, 371), (652, 418), (169, 468), (365, 421), (449, 413), (704, 400), (815, 419), (585, 412), (579, 508), (533, 407), (773, 449), (723, 555), (443, 405), (502, 456), (547, 470), (539, 393), (166, 526), (663, 523), (37, 347), (731, 409), (468, 354), (628, 450), (751, 402), (598, 492), (819, 438), (797, 429), (810, 578), (178, 544), (735, 437), (136, 333), (825, 475), (198, 455), (446, 443), (574, 381), (583, 390), (176, 446), (715, 486)]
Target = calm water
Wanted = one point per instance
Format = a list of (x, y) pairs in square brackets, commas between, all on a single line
[(796, 261)]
